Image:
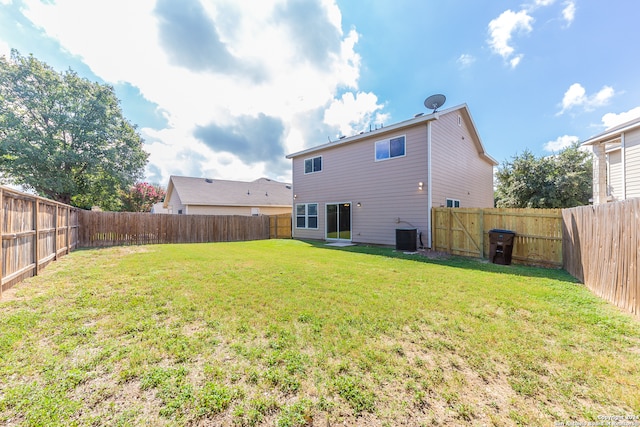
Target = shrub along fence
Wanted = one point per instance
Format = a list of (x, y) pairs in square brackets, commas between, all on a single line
[(462, 231), (601, 248), (34, 231)]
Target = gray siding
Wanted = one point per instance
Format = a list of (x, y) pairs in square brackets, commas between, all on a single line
[(632, 163), (175, 204), (459, 171), (388, 190), (236, 210), (614, 175)]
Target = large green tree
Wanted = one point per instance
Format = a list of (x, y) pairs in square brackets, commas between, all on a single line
[(64, 136), (559, 181)]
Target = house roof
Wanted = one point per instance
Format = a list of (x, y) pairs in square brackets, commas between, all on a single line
[(613, 132), (218, 192), (463, 108)]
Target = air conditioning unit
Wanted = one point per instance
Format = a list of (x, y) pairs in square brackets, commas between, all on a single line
[(406, 239)]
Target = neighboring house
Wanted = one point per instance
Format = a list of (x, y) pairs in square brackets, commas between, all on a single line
[(616, 163), (204, 196), (364, 187), (158, 208)]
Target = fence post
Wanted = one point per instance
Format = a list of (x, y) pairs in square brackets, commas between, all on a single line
[(1, 234), (450, 230), (68, 230), (36, 239), (481, 226)]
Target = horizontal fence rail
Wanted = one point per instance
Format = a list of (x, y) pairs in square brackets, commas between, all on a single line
[(601, 248), (128, 228), (34, 231), (463, 231)]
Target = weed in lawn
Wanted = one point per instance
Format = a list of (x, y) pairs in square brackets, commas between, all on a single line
[(156, 335), (214, 398), (357, 395), (297, 414)]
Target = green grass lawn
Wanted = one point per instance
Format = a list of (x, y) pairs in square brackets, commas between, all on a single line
[(293, 333)]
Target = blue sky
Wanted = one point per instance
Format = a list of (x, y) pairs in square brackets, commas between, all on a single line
[(226, 88)]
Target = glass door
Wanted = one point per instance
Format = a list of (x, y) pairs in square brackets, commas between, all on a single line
[(339, 221)]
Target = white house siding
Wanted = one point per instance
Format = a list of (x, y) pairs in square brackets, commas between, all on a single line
[(237, 210), (459, 171), (614, 176), (387, 190), (632, 163), (175, 204)]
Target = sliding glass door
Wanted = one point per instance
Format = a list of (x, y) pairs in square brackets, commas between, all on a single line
[(338, 221)]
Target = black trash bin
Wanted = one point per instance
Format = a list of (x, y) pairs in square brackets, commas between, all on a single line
[(501, 246)]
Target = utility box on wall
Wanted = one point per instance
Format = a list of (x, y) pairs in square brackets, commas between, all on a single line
[(406, 239)]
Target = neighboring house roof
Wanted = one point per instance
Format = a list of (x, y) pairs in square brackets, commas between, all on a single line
[(614, 132), (218, 192), (463, 109)]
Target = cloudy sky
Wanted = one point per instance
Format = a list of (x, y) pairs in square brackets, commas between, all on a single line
[(226, 88)]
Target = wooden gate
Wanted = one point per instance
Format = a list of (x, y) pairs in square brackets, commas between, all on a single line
[(280, 226), (538, 241)]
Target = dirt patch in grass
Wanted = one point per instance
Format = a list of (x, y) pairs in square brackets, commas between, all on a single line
[(291, 334)]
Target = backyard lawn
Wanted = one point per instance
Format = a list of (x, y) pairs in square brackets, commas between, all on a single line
[(292, 333)]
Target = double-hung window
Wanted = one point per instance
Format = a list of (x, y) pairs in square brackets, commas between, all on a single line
[(453, 203), (390, 148), (307, 215), (313, 164)]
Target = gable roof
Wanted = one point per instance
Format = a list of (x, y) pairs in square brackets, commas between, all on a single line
[(463, 108), (614, 132), (218, 192)]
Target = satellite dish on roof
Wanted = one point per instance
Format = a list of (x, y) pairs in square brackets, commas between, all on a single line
[(435, 101)]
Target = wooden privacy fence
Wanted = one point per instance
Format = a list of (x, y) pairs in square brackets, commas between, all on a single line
[(462, 231), (280, 226), (34, 231), (601, 248), (129, 228)]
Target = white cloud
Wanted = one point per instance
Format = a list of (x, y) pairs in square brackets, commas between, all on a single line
[(352, 115), (502, 29), (610, 120), (515, 60), (576, 96), (560, 143), (231, 77), (465, 60), (542, 3), (569, 12)]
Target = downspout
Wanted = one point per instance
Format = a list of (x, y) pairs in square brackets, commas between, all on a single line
[(429, 196), (624, 167)]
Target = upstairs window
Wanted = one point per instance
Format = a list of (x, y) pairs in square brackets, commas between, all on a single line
[(390, 148), (313, 165)]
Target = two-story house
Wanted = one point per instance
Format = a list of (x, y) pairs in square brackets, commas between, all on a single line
[(363, 188)]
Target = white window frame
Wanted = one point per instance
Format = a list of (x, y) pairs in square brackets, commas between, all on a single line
[(312, 164), (387, 142), (306, 216), (454, 202)]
